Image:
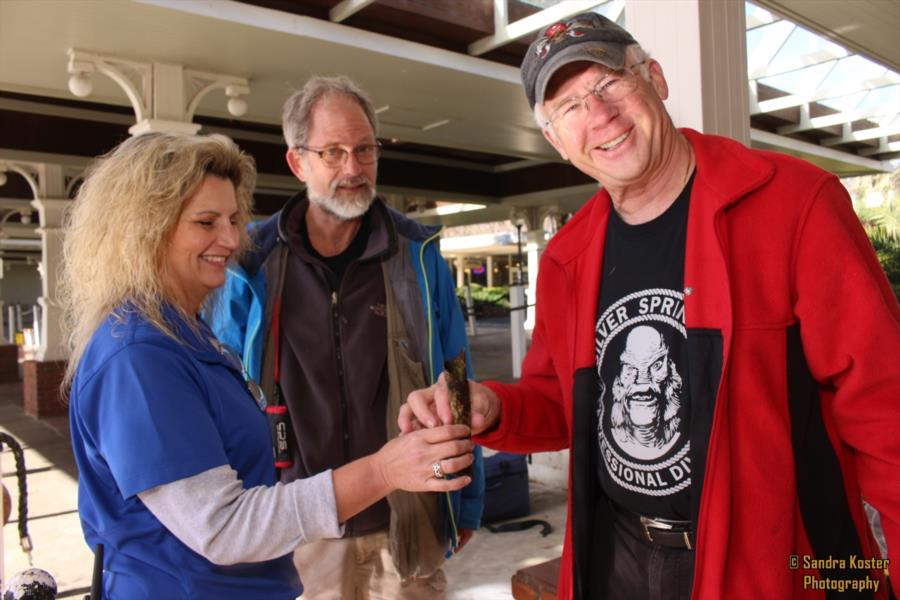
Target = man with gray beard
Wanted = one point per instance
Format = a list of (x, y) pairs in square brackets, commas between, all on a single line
[(340, 310)]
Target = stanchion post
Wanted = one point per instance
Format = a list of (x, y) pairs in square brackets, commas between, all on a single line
[(36, 324), (470, 311), (517, 327)]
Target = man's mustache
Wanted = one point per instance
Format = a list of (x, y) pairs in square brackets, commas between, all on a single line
[(350, 182)]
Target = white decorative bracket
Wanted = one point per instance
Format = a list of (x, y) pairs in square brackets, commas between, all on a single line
[(29, 171), (164, 96), (46, 180)]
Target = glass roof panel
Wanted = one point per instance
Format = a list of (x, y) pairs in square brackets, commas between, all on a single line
[(764, 42), (853, 69), (882, 101), (802, 81), (756, 16), (802, 41), (844, 103)]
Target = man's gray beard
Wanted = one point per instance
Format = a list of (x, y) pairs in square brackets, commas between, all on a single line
[(351, 207)]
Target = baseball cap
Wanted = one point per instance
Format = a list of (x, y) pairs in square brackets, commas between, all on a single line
[(588, 36)]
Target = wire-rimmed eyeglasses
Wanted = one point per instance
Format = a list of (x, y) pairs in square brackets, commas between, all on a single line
[(613, 87), (336, 155)]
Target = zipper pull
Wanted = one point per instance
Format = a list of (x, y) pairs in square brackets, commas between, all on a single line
[(334, 298)]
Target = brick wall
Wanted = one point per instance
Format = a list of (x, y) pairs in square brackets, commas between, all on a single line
[(40, 388), (9, 363)]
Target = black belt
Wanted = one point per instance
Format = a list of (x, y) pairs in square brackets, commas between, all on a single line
[(662, 532)]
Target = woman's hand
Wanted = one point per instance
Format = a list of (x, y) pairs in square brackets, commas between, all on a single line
[(415, 462), (408, 462)]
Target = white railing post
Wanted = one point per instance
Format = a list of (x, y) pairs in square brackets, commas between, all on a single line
[(517, 327)]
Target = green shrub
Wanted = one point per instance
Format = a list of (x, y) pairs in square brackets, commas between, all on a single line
[(888, 252), (487, 301)]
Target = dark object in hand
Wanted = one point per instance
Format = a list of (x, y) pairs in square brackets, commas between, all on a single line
[(460, 405)]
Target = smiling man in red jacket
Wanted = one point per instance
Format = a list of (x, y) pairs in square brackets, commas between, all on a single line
[(715, 342)]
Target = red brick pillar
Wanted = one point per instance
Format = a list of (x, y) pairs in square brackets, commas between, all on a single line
[(41, 380), (9, 363)]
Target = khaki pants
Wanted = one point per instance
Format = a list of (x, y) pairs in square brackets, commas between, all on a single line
[(359, 568)]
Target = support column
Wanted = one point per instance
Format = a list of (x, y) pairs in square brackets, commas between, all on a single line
[(489, 266), (702, 47), (52, 211), (460, 271), (42, 376)]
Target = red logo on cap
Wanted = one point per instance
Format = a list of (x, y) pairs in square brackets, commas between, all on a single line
[(558, 32)]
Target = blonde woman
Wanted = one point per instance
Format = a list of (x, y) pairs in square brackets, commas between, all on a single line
[(176, 476)]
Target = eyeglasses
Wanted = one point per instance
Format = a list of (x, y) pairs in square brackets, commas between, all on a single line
[(336, 156), (612, 88)]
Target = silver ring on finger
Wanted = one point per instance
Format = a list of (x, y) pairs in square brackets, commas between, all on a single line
[(437, 470)]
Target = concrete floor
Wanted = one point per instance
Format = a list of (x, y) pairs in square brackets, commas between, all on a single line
[(482, 571)]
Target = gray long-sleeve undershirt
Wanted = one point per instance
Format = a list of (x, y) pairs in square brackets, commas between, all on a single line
[(213, 515)]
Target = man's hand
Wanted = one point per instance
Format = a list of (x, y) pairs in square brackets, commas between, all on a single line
[(430, 407)]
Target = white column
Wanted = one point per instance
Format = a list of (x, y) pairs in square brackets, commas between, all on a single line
[(489, 265), (168, 103), (534, 248), (517, 329), (701, 45), (52, 211), (460, 271)]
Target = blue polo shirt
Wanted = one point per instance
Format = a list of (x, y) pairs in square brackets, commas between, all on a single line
[(147, 410)]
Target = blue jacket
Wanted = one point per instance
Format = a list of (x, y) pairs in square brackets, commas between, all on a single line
[(239, 320)]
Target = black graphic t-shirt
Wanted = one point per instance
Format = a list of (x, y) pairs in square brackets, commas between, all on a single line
[(643, 413)]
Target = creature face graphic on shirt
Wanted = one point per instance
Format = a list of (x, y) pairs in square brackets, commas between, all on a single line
[(646, 395)]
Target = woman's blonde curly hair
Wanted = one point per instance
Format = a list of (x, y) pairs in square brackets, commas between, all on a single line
[(117, 231)]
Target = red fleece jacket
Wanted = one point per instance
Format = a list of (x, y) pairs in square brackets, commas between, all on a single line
[(772, 244)]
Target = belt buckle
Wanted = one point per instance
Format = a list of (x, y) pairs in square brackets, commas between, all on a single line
[(647, 523)]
